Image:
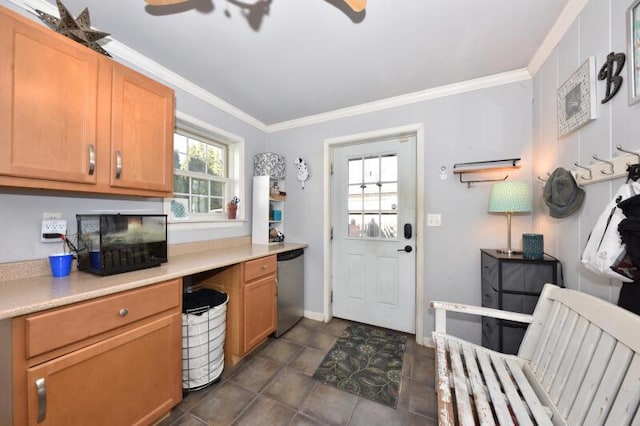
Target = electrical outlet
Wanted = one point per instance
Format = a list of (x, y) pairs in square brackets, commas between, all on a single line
[(47, 215), (50, 230)]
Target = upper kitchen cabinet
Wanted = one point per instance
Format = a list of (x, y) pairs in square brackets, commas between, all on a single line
[(48, 106), (74, 120), (141, 132)]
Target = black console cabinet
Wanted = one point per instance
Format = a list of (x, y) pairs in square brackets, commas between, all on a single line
[(511, 283)]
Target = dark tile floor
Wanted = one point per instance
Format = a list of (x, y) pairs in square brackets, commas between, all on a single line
[(274, 386)]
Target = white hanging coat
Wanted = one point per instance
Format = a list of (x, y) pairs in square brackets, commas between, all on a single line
[(604, 246)]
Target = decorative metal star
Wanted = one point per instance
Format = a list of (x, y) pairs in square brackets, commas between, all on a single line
[(78, 29)]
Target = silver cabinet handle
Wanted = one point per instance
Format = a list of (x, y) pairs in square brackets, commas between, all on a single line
[(42, 399), (118, 164), (92, 159), (123, 312)]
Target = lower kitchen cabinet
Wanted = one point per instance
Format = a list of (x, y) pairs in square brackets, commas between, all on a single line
[(117, 360), (252, 306), (259, 317)]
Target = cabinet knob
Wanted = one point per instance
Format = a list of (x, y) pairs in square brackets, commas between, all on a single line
[(123, 312), (264, 266)]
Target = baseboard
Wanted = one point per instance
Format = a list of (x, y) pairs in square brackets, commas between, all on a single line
[(316, 316), (428, 342)]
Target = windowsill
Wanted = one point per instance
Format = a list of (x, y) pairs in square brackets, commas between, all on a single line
[(206, 224)]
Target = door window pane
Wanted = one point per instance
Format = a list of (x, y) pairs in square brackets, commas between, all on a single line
[(355, 171), (389, 226), (388, 196), (355, 225), (355, 202), (372, 225), (372, 169), (373, 197), (389, 168)]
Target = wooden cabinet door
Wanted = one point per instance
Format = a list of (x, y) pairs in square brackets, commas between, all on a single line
[(259, 317), (141, 132), (133, 378), (48, 104)]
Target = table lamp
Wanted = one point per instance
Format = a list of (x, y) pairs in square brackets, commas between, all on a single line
[(509, 197)]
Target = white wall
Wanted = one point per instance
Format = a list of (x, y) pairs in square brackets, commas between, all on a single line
[(600, 29), (486, 124)]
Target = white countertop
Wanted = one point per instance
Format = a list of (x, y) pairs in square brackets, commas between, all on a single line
[(24, 296)]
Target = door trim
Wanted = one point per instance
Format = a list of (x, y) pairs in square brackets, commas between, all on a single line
[(416, 129)]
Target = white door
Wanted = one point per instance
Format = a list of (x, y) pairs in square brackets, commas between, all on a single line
[(373, 220)]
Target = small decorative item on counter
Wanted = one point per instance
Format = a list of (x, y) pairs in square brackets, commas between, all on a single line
[(275, 189), (275, 236), (532, 246), (232, 208)]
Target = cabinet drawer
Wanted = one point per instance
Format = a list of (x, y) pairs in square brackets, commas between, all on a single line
[(526, 277), (490, 269), (489, 296), (511, 338), (490, 334), (54, 329), (260, 267), (519, 303)]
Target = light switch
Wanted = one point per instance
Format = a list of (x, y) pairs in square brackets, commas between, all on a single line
[(434, 219)]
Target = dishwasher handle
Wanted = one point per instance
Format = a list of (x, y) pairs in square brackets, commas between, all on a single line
[(289, 255)]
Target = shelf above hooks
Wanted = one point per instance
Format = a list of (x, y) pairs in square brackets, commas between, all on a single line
[(484, 166)]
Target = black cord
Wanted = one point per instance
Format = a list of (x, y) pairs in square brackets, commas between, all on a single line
[(559, 267)]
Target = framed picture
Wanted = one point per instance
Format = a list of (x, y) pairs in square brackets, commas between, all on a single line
[(633, 46), (179, 209), (577, 98)]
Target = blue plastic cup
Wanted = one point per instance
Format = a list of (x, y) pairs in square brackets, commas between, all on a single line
[(60, 264)]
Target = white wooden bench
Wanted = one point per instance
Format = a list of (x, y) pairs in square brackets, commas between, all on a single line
[(578, 364)]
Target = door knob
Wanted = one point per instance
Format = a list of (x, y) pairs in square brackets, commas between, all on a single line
[(408, 249)]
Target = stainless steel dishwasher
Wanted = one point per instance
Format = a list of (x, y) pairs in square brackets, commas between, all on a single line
[(290, 289)]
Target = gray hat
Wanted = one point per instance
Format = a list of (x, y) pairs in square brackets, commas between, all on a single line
[(562, 194)]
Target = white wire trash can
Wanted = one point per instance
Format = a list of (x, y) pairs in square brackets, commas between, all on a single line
[(204, 315)]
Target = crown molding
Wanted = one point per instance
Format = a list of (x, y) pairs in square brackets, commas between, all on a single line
[(568, 15), (134, 57), (410, 98)]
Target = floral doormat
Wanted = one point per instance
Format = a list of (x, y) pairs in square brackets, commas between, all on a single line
[(367, 362)]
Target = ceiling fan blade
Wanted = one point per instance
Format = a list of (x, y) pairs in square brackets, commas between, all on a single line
[(163, 2), (356, 5)]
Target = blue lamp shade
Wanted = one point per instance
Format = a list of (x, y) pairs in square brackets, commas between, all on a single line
[(510, 197)]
